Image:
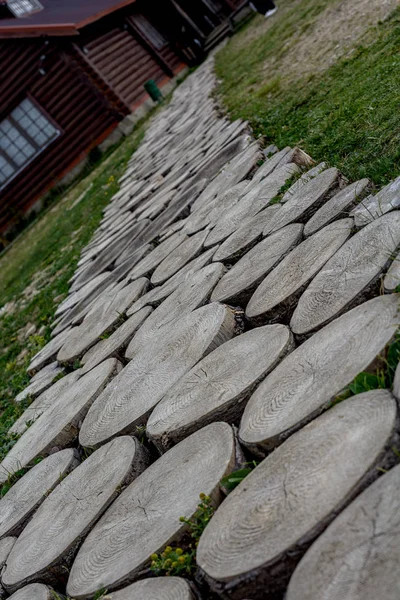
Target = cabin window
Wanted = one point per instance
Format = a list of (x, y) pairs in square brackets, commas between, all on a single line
[(148, 30), (24, 134), (21, 8)]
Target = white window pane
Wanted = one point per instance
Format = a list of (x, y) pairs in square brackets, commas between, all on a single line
[(4, 142), (5, 126), (29, 150), (8, 170), (13, 133), (19, 159), (33, 131), (41, 139), (17, 114)]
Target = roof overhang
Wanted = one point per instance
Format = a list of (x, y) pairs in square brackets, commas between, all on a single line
[(22, 28)]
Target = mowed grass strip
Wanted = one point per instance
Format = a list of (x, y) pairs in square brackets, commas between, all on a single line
[(346, 115)]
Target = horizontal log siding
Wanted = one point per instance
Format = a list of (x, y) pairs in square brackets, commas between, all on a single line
[(123, 62), (73, 105)]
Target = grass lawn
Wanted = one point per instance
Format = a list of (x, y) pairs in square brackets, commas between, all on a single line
[(34, 273), (345, 114)]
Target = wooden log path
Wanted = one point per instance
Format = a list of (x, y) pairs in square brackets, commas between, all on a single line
[(216, 322)]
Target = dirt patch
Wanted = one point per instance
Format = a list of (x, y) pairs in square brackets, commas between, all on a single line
[(333, 34)]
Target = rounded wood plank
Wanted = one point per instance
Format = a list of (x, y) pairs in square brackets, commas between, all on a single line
[(106, 259), (306, 382), (211, 212), (115, 345), (255, 538), (128, 401), (43, 402), (159, 588), (238, 284), (35, 591), (178, 258), (357, 557), (339, 205), (275, 298), (392, 277), (244, 238), (24, 497), (146, 516), (100, 320), (348, 276), (219, 385), (152, 260), (232, 173), (6, 545), (373, 207), (59, 425), (305, 178), (306, 201), (42, 551), (252, 203), (193, 293), (47, 354), (39, 384)]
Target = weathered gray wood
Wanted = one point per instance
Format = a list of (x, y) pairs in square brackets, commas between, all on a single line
[(374, 207), (306, 201), (100, 320), (35, 591), (211, 212), (42, 402), (59, 425), (28, 493), (240, 282), (284, 157), (106, 259), (349, 275), (160, 293), (246, 236), (115, 345), (306, 382), (6, 545), (252, 203), (254, 540), (357, 557), (339, 205), (193, 293), (159, 588), (161, 362), (48, 543), (152, 260), (178, 258), (305, 178), (235, 171), (276, 297), (218, 387), (40, 384), (47, 354), (392, 277), (146, 516), (53, 367)]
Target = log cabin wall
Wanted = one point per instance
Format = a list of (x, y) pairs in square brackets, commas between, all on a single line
[(65, 95)]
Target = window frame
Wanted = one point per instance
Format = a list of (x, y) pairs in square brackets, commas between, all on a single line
[(38, 149)]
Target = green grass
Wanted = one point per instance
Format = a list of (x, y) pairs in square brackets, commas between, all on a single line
[(44, 257), (347, 115)]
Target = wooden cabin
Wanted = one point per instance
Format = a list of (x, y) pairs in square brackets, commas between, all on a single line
[(72, 70)]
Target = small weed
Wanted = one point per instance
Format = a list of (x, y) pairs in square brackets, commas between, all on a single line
[(176, 561), (100, 595), (59, 376), (77, 365), (105, 336), (382, 378), (231, 481), (173, 562), (285, 188), (141, 433)]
